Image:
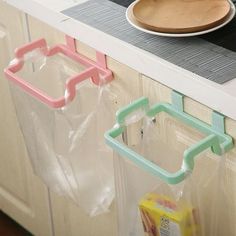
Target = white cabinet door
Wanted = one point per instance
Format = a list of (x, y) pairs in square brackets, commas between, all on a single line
[(22, 195)]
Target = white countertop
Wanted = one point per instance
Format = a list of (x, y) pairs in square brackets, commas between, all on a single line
[(221, 98)]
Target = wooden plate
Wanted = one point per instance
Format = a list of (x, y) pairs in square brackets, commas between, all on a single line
[(132, 21), (181, 16)]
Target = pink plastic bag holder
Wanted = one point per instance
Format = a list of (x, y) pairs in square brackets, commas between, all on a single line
[(94, 70)]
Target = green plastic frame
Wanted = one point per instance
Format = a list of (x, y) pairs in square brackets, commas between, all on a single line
[(216, 139)]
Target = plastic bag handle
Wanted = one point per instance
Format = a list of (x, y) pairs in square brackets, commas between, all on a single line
[(218, 141), (141, 103), (38, 44)]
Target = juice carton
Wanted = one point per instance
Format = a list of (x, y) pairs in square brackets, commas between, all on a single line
[(162, 216)]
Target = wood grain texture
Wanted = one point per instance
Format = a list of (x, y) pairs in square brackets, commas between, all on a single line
[(180, 16)]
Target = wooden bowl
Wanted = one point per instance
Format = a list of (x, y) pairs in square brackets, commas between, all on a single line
[(180, 16)]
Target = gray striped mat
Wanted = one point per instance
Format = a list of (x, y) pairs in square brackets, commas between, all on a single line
[(196, 55)]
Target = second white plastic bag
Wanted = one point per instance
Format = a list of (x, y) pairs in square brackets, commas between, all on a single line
[(148, 206)]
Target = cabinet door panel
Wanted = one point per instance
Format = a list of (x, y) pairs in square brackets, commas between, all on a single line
[(68, 218), (22, 194), (227, 215)]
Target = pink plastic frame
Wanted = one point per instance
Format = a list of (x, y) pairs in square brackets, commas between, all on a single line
[(93, 70)]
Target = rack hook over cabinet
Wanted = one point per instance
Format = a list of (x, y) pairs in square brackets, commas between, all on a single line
[(96, 70)]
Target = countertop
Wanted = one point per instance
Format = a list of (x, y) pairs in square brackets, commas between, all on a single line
[(220, 97)]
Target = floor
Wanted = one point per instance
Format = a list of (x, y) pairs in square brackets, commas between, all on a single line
[(8, 227)]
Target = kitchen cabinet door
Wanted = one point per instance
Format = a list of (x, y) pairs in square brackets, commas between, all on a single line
[(227, 214), (22, 195), (68, 218), (185, 137)]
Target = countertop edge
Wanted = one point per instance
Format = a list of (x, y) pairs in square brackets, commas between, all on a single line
[(221, 98)]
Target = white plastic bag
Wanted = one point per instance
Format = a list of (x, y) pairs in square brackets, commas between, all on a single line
[(66, 145)]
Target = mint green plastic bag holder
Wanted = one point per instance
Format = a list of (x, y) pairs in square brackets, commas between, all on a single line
[(216, 138)]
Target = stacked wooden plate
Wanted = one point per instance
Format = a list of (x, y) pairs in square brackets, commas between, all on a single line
[(180, 17)]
